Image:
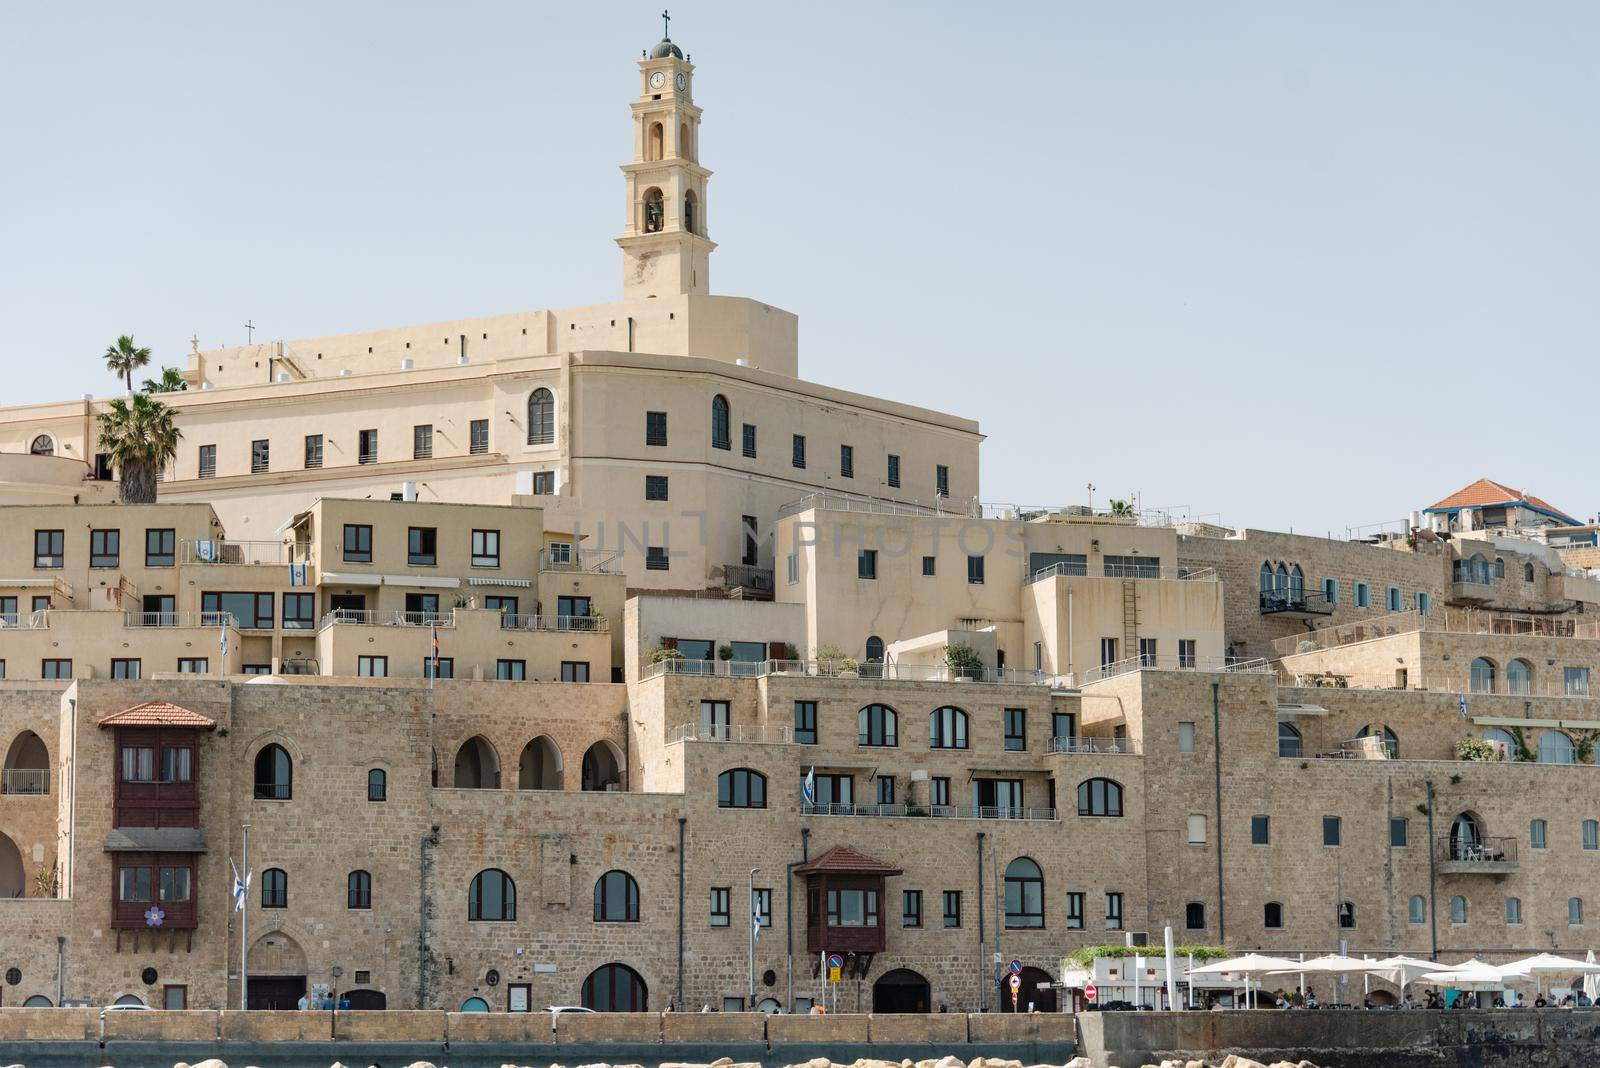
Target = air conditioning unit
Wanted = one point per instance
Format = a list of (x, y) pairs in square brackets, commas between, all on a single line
[(1138, 938)]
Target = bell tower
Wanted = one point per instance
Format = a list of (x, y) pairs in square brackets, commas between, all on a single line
[(665, 250)]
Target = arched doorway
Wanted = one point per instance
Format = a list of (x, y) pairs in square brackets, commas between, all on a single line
[(13, 878), (365, 999), (1043, 1000), (477, 765), (27, 767), (277, 972), (615, 988), (540, 765), (901, 990), (602, 768)]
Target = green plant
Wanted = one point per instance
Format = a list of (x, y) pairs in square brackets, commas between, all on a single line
[(1121, 509), (1422, 809), (1524, 752), (963, 661), (659, 655), (1084, 957), (830, 652), (724, 652), (139, 439), (1455, 780), (1477, 749), (1304, 764), (125, 357), (914, 810), (171, 381), (1583, 745), (790, 652)]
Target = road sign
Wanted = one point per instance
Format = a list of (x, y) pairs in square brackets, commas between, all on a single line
[(1016, 990), (1089, 992), (835, 960), (835, 975), (1016, 967)]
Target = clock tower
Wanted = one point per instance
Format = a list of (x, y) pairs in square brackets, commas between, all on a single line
[(665, 250)]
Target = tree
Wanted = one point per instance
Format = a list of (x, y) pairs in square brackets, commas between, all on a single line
[(171, 381), (125, 357), (1122, 509), (140, 439)]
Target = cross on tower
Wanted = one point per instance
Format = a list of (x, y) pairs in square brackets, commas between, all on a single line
[(250, 332), (666, 26)]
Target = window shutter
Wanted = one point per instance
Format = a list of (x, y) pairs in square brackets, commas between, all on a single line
[(669, 643), (776, 650)]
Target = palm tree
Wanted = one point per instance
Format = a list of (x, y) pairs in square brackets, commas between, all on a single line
[(125, 357), (171, 381), (1121, 508), (140, 439)]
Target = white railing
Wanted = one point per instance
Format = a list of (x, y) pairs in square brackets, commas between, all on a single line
[(1169, 662), (590, 624), (224, 551), (1173, 574), (1439, 620), (730, 732), (1106, 746), (954, 812), (25, 781), (39, 620), (1144, 517), (959, 507), (595, 560), (179, 619), (836, 669), (372, 617)]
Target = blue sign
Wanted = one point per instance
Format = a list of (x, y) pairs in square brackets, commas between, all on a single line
[(1016, 967), (835, 961)]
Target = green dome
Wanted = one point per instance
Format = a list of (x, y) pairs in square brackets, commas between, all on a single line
[(666, 48)]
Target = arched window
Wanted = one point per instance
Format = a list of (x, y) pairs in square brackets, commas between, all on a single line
[(947, 728), (37, 1001), (615, 988), (1391, 740), (1024, 894), (877, 725), (616, 898), (684, 148), (1297, 583), (1527, 572), (27, 766), (492, 896), (1288, 740), (541, 417), (654, 211), (377, 785), (1272, 916), (539, 768), (1503, 741), (43, 445), (1194, 916), (721, 423), (1499, 567), (1591, 835), (358, 890), (602, 767), (1099, 797), (654, 142), (274, 774), (1282, 579), (1347, 915), (1519, 678), (1266, 577), (477, 765), (474, 1005), (741, 788), (1575, 911), (1466, 834), (1555, 748), (1482, 675), (1417, 910), (874, 649), (1458, 909), (691, 212), (274, 889)]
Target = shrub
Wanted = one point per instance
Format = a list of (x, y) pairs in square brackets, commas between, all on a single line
[(964, 661), (1477, 749)]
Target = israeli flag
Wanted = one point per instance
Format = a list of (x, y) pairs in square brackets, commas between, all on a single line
[(755, 922), (1463, 706), (205, 550), (241, 887), (297, 574), (808, 789), (222, 637)]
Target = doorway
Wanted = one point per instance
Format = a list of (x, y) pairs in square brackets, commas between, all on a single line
[(901, 990), (276, 991), (1043, 1000), (365, 999)]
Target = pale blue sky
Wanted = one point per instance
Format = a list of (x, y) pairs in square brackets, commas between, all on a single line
[(1299, 266)]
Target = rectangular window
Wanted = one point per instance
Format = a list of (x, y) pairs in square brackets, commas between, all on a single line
[(485, 548), (1330, 830), (750, 440), (1591, 835), (1363, 597), (1108, 651), (367, 447), (174, 884), (299, 611), (852, 908), (1424, 603), (574, 671), (847, 461), (511, 670), (422, 441), (749, 527), (125, 669), (655, 558), (447, 668), (1513, 911), (1330, 591), (260, 456), (372, 667), (138, 763), (1147, 652), (193, 665), (8, 611), (258, 669), (42, 604), (805, 722), (1396, 599), (1016, 724), (208, 461), (55, 669), (177, 763), (1186, 737), (1074, 910), (939, 791), (867, 564), (799, 458), (836, 789), (174, 997), (105, 548), (1399, 832), (134, 884), (422, 546), (478, 437), (49, 548), (655, 428), (975, 570), (1536, 830), (791, 568), (544, 483), (251, 611), (952, 908), (1197, 830), (1576, 680), (313, 450), (719, 906), (885, 789), (894, 471), (930, 566), (1186, 653), (1260, 830), (160, 547), (911, 908), (1113, 911), (655, 487), (941, 480), (357, 543)]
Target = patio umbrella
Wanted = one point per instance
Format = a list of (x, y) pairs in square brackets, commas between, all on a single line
[(1402, 970), (1475, 975), (1541, 964), (1329, 964), (1591, 983), (1247, 965)]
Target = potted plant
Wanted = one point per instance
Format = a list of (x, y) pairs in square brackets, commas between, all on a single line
[(829, 659), (724, 652), (1477, 749), (659, 656), (963, 661)]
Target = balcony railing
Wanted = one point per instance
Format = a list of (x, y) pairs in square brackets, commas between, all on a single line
[(25, 781), (39, 620), (180, 619), (951, 812), (731, 732), (593, 560), (589, 624), (1295, 602), (834, 669), (372, 617), (1459, 855), (1440, 620), (1169, 662), (744, 576), (1119, 571), (221, 551), (1102, 746)]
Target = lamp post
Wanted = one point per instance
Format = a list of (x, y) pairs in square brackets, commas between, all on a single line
[(754, 920)]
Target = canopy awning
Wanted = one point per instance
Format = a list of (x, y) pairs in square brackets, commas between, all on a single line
[(351, 578), (521, 584), (155, 840)]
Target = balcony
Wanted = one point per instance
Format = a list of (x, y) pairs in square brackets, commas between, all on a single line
[(582, 624), (180, 619), (30, 781), (1471, 588), (1295, 603), (594, 561), (834, 669), (244, 553), (25, 620), (1168, 662), (731, 732), (747, 583), (372, 617), (1096, 746), (948, 812), (1483, 856)]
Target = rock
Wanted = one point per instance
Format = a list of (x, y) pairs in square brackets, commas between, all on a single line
[(949, 1062), (1195, 1064), (413, 1064), (721, 1061), (210, 1062), (1236, 1061), (1076, 1062)]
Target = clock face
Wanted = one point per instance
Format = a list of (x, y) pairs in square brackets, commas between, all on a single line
[(657, 80), (683, 82)]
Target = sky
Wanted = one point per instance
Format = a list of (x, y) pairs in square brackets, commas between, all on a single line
[(1290, 266)]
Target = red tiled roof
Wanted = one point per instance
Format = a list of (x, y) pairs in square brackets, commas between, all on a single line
[(1486, 492), (157, 714), (845, 860)]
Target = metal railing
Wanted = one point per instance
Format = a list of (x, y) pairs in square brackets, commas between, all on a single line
[(1169, 662), (39, 620), (180, 619), (25, 781), (1083, 513), (954, 812), (1099, 746), (1439, 620), (747, 576), (372, 617), (731, 732), (1118, 571), (1464, 852), (837, 669), (960, 507), (425, 619), (587, 624), (223, 551), (1292, 600), (596, 560)]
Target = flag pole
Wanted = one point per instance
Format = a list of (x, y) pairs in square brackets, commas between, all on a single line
[(244, 932)]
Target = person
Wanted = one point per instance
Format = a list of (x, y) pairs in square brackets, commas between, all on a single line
[(1408, 1004), (1499, 1001), (1584, 1000), (1283, 1002), (304, 1003), (1366, 1003), (1311, 1000), (817, 1009), (1540, 1003)]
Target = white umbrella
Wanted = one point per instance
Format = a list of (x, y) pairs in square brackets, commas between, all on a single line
[(1329, 964), (1591, 982), (1247, 965), (1402, 970), (1541, 964), (1475, 975)]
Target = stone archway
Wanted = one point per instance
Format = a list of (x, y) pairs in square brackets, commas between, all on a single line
[(1043, 1000), (277, 971), (13, 876), (901, 990)]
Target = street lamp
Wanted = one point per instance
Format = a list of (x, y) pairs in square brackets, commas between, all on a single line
[(754, 921)]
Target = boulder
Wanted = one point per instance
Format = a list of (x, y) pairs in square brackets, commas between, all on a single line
[(1236, 1061), (210, 1062)]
